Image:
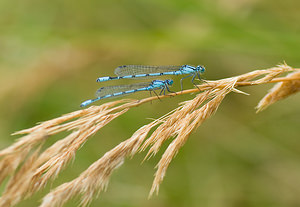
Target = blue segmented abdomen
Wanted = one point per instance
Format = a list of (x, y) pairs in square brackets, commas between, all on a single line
[(119, 90), (142, 71)]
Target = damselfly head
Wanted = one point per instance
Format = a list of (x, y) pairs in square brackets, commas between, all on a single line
[(200, 68), (169, 82)]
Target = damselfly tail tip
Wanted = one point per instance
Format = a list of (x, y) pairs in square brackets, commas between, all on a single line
[(103, 79), (84, 104)]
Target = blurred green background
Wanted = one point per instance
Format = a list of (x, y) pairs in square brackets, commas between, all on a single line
[(53, 51)]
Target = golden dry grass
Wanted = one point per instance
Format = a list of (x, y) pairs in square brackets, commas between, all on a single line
[(32, 169), (281, 91)]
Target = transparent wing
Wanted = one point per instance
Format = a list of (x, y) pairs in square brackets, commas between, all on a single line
[(120, 88), (144, 69)]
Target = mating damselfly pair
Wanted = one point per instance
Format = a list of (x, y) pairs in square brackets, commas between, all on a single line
[(143, 71)]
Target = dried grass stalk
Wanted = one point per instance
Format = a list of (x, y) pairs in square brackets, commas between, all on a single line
[(19, 183), (191, 118), (33, 168), (96, 177), (281, 91), (52, 160)]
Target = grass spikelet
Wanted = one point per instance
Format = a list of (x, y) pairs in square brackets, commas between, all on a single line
[(9, 164), (18, 184), (52, 160), (53, 166), (96, 177), (30, 168), (280, 91), (169, 125), (187, 124), (13, 156)]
